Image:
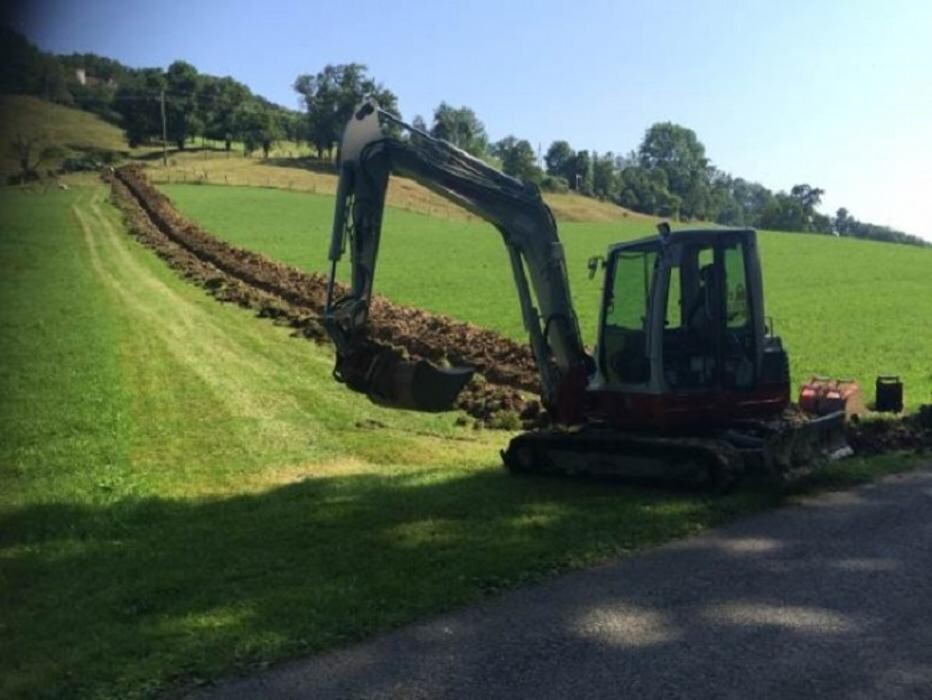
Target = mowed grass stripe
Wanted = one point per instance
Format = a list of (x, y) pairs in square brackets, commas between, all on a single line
[(846, 308), (188, 333)]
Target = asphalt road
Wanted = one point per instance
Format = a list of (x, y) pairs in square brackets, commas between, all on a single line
[(828, 599)]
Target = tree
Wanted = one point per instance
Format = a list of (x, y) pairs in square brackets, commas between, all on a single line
[(137, 101), (182, 116), (751, 199), (258, 127), (461, 127), (820, 223), (646, 191), (722, 205), (561, 160), (24, 69), (809, 197), (581, 180), (843, 221), (677, 151), (419, 123), (796, 211), (518, 159), (31, 152), (219, 99), (785, 213), (605, 182), (330, 97)]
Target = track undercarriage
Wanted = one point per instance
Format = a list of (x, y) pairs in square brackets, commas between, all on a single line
[(778, 451)]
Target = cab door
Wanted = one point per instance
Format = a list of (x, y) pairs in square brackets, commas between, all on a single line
[(624, 356), (708, 336)]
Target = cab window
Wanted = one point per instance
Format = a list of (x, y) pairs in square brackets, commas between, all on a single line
[(624, 336)]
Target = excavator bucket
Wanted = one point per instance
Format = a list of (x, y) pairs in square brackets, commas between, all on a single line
[(419, 385), (388, 379)]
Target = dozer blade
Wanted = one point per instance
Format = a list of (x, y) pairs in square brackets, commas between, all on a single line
[(795, 449), (388, 379)]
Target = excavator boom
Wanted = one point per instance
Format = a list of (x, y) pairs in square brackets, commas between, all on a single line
[(376, 145)]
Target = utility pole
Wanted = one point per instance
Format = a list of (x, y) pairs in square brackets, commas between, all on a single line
[(164, 133)]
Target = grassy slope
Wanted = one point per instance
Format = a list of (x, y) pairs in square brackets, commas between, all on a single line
[(288, 168), (291, 173), (62, 126), (844, 307)]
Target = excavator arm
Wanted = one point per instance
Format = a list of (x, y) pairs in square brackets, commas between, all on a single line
[(376, 145)]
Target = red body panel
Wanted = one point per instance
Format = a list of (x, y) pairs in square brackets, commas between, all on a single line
[(630, 411)]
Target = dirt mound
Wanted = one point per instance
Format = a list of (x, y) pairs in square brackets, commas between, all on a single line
[(506, 369), (911, 432)]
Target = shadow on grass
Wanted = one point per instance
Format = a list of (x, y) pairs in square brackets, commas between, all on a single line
[(140, 592), (325, 167), (140, 595), (824, 600)]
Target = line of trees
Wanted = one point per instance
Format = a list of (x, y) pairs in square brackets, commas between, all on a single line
[(668, 175), (220, 109)]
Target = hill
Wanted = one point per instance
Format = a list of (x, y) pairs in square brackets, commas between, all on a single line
[(71, 129), (289, 166), (289, 169)]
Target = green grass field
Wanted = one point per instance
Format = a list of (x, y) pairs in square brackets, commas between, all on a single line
[(844, 307), (186, 493)]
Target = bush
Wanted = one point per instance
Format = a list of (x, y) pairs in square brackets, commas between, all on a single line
[(89, 160), (554, 183)]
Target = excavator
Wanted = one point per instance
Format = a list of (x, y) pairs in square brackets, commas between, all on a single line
[(687, 383)]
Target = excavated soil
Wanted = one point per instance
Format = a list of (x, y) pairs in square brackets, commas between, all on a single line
[(911, 433), (506, 377)]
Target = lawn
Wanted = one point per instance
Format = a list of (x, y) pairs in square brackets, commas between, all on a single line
[(186, 493), (844, 307)]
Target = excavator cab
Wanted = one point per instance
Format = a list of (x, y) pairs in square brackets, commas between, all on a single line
[(682, 333)]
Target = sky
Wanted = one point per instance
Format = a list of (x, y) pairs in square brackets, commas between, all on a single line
[(834, 94)]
